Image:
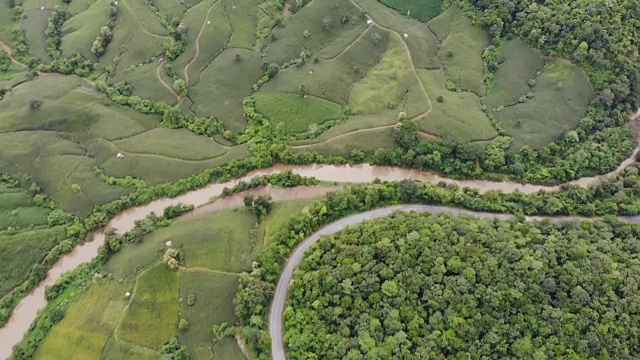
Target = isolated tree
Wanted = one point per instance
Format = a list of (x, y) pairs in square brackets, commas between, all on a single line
[(183, 325), (313, 128), (5, 61), (306, 33), (35, 103), (172, 258), (180, 87), (237, 58), (272, 70), (248, 200)]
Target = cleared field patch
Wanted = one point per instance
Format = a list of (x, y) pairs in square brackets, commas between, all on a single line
[(519, 63), (441, 24), (386, 84), (313, 27), (223, 84), (29, 5), (214, 294), (35, 23), (368, 140), (562, 94), (152, 316), (145, 17), (457, 114), (422, 10), (87, 324), (18, 210), (81, 30), (461, 54), (20, 251), (280, 215), (297, 112), (120, 350), (421, 42), (333, 79), (180, 144), (117, 122), (218, 241), (77, 6)]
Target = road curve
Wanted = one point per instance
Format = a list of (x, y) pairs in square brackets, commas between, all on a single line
[(280, 296)]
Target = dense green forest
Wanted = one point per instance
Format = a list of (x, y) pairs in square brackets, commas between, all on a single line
[(414, 286)]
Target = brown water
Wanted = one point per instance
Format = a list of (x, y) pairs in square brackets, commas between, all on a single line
[(26, 311)]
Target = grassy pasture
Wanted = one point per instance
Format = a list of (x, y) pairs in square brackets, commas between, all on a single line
[(35, 23), (81, 30), (459, 113), (296, 111), (145, 80), (354, 123), (366, 140), (120, 350), (518, 63), (87, 324), (223, 84), (6, 21), (288, 41), (218, 241), (214, 28), (78, 6), (181, 144), (461, 54), (243, 16), (441, 24), (214, 294), (174, 9), (280, 215), (333, 79), (386, 84), (20, 251), (562, 94), (227, 349), (151, 318), (18, 210), (132, 43), (157, 169), (144, 17), (29, 5), (422, 10), (421, 42)]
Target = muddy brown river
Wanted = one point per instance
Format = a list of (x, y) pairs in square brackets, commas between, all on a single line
[(26, 311)]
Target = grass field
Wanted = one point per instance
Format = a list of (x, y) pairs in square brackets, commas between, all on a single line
[(321, 20), (181, 144), (145, 80), (151, 318), (295, 111), (218, 241), (83, 332), (214, 295), (422, 10), (364, 140), (20, 251), (562, 94), (461, 54), (120, 350), (6, 21), (518, 64), (459, 114), (227, 349), (333, 79), (35, 23), (223, 84), (386, 84), (82, 29)]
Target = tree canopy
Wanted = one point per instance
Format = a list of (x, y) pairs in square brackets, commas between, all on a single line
[(420, 286)]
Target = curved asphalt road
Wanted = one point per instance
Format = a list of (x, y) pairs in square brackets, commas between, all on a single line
[(280, 296)]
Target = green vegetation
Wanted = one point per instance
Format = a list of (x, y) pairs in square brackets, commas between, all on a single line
[(409, 286), (298, 112), (87, 324), (212, 304), (118, 349), (151, 318), (418, 9)]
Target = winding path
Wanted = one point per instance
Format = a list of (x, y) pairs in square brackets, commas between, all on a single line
[(280, 296)]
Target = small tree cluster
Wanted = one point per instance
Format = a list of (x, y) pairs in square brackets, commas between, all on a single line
[(261, 205), (172, 257)]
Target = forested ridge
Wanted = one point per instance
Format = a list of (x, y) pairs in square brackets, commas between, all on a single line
[(419, 286)]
